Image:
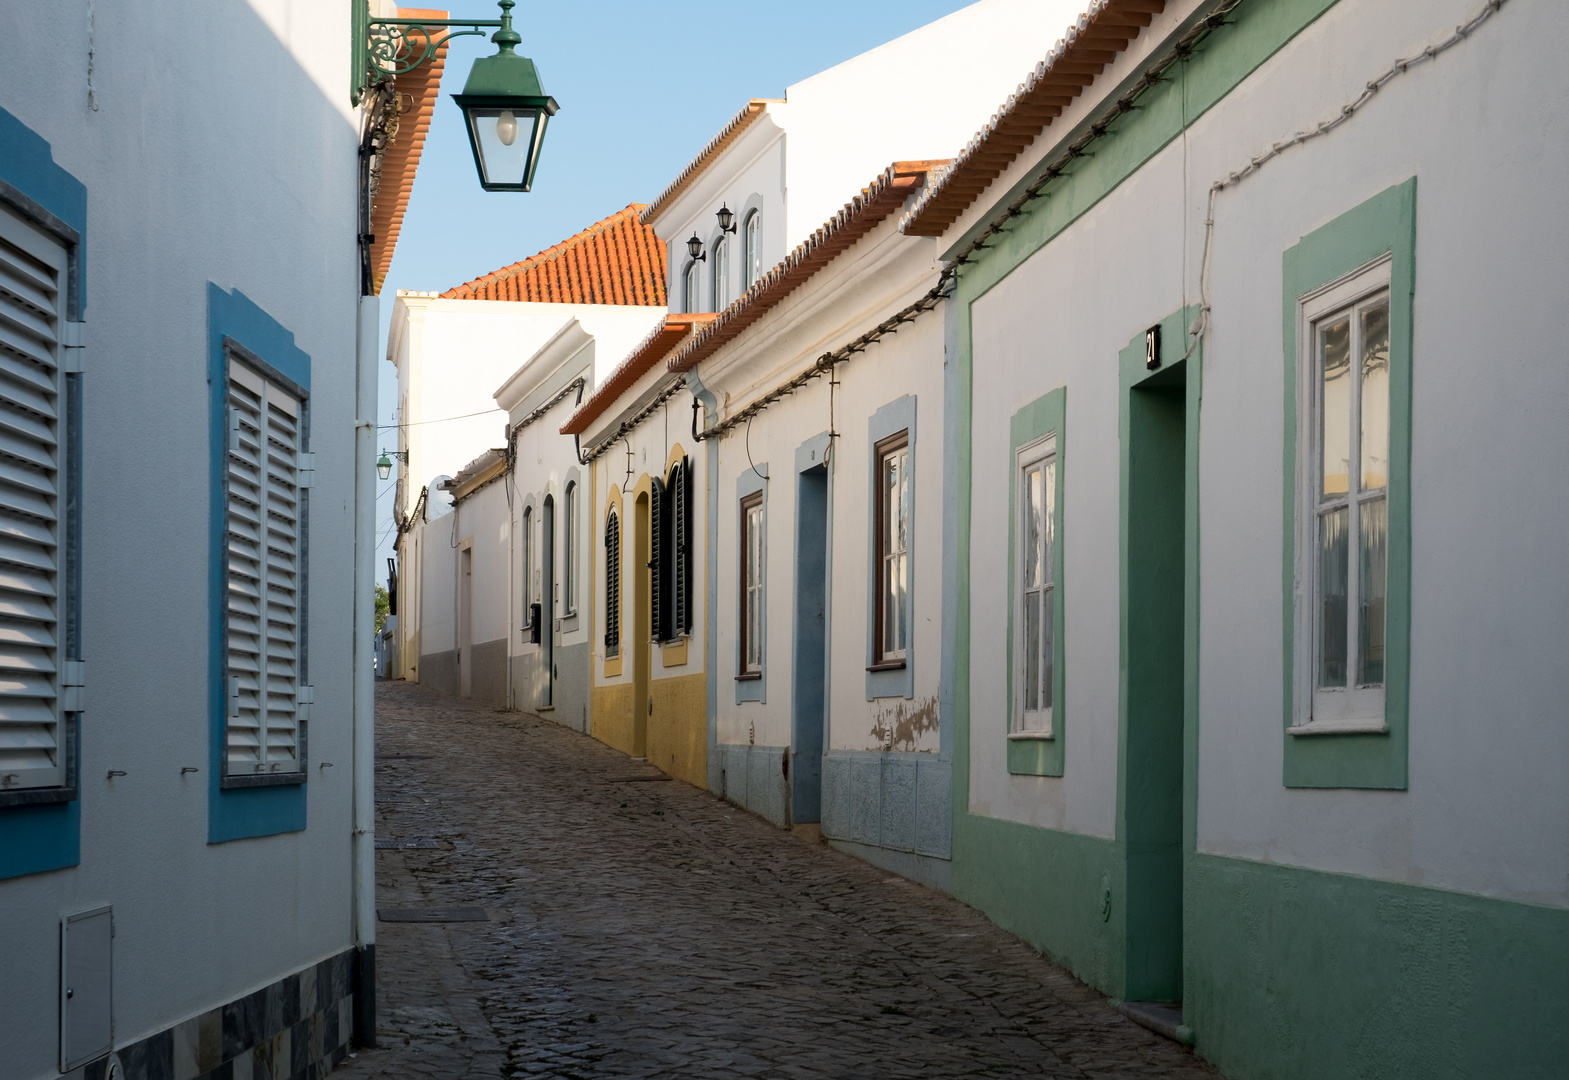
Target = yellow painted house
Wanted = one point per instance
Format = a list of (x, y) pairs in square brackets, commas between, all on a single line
[(649, 684)]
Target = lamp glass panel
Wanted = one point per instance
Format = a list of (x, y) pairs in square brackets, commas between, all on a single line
[(504, 161)]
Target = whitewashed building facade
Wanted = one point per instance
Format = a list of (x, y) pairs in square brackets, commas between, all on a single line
[(186, 873), (1257, 584)]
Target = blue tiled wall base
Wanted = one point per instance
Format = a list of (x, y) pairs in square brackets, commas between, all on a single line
[(889, 800), (296, 1029), (753, 777)]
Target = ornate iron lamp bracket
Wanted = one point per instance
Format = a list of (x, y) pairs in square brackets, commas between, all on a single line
[(387, 47)]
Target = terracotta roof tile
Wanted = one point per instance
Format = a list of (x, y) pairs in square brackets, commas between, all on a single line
[(614, 261), (418, 89), (1105, 30)]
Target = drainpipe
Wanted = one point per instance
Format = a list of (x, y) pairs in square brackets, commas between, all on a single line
[(363, 849)]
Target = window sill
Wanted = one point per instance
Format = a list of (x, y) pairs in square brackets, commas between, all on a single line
[(37, 796), (1340, 727), (255, 780), (887, 665), (1031, 736), (751, 676)]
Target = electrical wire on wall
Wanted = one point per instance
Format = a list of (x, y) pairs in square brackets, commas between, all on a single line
[(1201, 324)]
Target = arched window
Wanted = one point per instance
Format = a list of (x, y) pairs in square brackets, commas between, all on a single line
[(613, 585), (569, 533), (691, 289), (752, 247), (720, 258), (528, 566)]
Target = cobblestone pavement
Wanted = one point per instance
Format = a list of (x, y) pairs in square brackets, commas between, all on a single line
[(645, 928)]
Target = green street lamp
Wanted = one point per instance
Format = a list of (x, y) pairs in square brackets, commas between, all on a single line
[(505, 109)]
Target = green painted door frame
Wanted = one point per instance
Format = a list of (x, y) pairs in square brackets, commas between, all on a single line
[(1157, 774), (1153, 648)]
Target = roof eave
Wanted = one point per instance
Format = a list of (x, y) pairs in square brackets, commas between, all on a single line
[(706, 157), (1067, 73)]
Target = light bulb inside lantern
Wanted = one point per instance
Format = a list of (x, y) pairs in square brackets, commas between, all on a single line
[(507, 127)]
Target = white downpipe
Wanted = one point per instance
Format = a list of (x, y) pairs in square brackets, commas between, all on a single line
[(364, 850)]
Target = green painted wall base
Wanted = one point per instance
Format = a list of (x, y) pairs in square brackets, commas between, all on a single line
[(1302, 974), (1061, 892)]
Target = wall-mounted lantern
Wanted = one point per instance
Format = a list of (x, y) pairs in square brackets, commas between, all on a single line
[(694, 248), (384, 464), (726, 218)]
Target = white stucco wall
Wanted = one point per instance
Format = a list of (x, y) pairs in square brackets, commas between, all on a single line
[(920, 96), (874, 279), (749, 175), (1486, 798), (451, 355), (253, 191)]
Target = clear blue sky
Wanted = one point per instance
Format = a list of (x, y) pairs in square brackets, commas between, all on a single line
[(642, 87)]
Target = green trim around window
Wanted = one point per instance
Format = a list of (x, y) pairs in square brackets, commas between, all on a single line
[(1046, 415), (1383, 225)]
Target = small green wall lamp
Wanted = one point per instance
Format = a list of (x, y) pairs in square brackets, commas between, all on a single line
[(384, 465)]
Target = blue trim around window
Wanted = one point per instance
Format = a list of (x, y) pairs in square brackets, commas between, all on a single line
[(896, 416), (37, 838), (239, 813), (751, 481)]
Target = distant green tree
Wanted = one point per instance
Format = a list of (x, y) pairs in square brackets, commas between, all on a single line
[(383, 605)]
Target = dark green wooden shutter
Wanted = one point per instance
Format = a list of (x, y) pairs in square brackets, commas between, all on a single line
[(656, 562), (613, 586)]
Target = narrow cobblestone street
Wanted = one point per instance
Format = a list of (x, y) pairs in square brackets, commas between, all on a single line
[(636, 926)]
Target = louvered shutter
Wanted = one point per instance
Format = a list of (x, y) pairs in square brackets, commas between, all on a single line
[(264, 525), (613, 585), (681, 527), (656, 562), (32, 273)]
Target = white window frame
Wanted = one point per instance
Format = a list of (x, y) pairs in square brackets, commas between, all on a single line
[(528, 566), (569, 545), (897, 444), (1354, 708), (751, 247), (1036, 724), (719, 259), (691, 288), (752, 573), (245, 372)]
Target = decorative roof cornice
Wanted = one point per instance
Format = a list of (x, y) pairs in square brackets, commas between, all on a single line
[(882, 197), (642, 359), (705, 157), (1091, 43), (420, 89)]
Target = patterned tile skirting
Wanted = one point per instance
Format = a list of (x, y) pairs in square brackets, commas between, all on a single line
[(296, 1029), (890, 800)]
